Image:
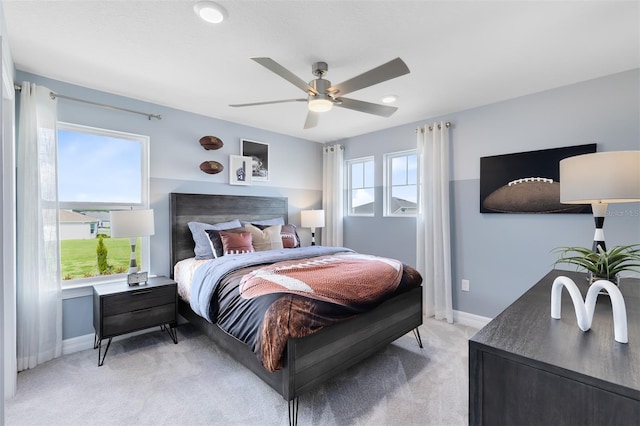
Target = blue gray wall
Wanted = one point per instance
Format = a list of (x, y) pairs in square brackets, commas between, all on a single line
[(295, 167), (504, 255)]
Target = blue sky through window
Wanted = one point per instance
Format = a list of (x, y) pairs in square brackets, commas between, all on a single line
[(96, 168)]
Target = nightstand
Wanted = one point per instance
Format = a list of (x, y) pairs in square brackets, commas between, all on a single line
[(120, 309)]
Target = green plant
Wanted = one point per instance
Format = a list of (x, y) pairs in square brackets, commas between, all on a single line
[(102, 252), (603, 264)]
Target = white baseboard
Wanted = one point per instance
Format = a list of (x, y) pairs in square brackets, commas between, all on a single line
[(471, 320), (77, 344), (81, 343)]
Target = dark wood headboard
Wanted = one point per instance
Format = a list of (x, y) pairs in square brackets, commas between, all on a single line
[(185, 208)]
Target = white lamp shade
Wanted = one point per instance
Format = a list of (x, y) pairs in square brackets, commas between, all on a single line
[(131, 223), (312, 218), (602, 177)]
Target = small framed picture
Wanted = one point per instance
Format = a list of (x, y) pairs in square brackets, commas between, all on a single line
[(239, 170), (259, 153)]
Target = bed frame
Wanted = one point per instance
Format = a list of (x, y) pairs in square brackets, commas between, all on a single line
[(310, 360)]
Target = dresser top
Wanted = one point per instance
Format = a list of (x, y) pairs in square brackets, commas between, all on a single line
[(525, 332)]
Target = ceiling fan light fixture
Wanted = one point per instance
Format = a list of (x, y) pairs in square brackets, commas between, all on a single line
[(389, 99), (210, 12), (320, 104)]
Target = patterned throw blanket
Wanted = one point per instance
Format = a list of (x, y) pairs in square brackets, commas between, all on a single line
[(346, 279), (208, 276)]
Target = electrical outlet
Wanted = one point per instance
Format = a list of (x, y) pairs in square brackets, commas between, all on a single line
[(465, 285)]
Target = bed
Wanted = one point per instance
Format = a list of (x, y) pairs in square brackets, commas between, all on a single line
[(308, 361)]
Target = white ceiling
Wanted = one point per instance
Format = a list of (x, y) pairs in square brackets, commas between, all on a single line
[(462, 54)]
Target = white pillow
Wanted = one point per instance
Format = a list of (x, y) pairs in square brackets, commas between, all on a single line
[(265, 239)]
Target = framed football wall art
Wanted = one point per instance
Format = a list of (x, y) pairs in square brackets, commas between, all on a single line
[(527, 182), (259, 153)]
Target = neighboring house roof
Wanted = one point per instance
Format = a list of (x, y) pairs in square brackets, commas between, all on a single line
[(68, 216), (102, 216), (397, 205)]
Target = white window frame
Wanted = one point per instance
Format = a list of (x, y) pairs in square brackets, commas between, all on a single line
[(145, 246), (350, 163), (387, 189)]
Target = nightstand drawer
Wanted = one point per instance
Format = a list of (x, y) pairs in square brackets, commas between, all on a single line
[(138, 319), (134, 300)]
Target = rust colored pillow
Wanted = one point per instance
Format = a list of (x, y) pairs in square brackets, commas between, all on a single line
[(236, 243), (216, 241)]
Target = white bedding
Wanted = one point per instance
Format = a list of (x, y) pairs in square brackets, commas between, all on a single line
[(183, 274)]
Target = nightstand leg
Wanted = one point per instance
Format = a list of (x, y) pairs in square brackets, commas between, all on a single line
[(416, 333), (101, 361), (172, 332)]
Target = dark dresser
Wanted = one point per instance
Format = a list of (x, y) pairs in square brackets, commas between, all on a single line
[(525, 368)]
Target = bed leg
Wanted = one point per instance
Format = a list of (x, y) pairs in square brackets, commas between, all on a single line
[(293, 412), (416, 333)]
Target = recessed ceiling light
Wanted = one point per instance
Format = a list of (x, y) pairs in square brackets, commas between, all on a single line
[(389, 99), (210, 12)]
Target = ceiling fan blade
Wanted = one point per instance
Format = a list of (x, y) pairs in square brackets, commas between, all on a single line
[(312, 120), (368, 107), (384, 72), (275, 67), (268, 102)]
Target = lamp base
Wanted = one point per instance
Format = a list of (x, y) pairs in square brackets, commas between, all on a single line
[(599, 213)]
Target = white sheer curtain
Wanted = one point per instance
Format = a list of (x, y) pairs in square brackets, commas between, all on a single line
[(333, 195), (39, 310), (433, 229)]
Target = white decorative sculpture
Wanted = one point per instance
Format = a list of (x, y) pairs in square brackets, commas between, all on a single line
[(584, 309)]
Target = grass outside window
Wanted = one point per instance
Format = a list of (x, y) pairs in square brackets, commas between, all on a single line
[(79, 258)]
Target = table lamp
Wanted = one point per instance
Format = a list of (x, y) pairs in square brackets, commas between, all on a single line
[(600, 179), (312, 219), (132, 224)]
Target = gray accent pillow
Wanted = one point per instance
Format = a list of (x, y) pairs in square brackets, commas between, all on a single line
[(202, 249)]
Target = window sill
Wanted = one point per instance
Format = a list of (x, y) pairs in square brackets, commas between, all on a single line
[(85, 288)]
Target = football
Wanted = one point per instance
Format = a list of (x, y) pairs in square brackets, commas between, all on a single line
[(211, 167), (211, 142), (529, 195)]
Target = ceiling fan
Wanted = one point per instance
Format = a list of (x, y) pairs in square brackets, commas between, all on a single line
[(322, 96)]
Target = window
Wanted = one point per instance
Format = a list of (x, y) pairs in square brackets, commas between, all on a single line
[(401, 183), (361, 189), (98, 171)]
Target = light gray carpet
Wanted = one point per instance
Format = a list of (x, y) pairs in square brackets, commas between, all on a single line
[(147, 380)]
